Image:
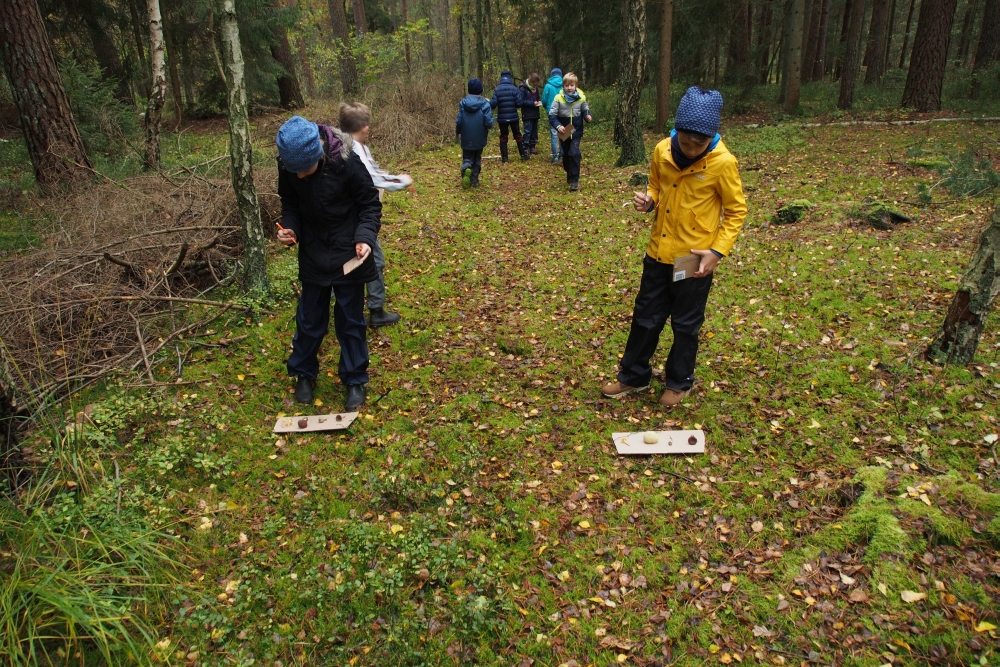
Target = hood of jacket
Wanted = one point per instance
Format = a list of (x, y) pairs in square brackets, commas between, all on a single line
[(555, 81), (339, 145), (473, 103), (506, 78)]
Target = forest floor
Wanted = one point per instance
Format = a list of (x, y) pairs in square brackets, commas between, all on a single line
[(844, 513)]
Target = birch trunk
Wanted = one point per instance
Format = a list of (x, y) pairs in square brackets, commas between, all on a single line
[(632, 68), (241, 154), (158, 89), (958, 338)]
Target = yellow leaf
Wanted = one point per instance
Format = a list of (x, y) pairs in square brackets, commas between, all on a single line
[(714, 648), (396, 528), (983, 626), (584, 524), (726, 659), (318, 403), (911, 596), (241, 377), (556, 465), (597, 600), (564, 575)]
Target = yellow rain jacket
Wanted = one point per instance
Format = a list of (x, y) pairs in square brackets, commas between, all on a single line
[(702, 208)]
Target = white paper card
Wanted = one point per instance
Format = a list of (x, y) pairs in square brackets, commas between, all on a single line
[(352, 264), (306, 423), (668, 442)]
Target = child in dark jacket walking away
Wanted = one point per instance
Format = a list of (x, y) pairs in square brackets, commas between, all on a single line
[(531, 101), (330, 208), (566, 115), (472, 128), (507, 100)]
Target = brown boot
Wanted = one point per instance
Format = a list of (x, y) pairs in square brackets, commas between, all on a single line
[(617, 390), (672, 397)]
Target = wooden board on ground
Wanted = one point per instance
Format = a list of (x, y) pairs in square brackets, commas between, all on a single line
[(307, 423), (667, 442)]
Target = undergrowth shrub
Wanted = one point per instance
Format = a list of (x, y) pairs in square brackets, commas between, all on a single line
[(105, 123)]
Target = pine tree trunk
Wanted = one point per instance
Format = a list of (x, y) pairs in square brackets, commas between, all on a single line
[(663, 70), (793, 54), (106, 53), (632, 75), (175, 80), (255, 278), (307, 73), (819, 62), (811, 39), (43, 109), (480, 50), (345, 56), (845, 28), (289, 92), (738, 49), (890, 29), (968, 30), (957, 339), (925, 78), (877, 35), (137, 31), (852, 55), (158, 88), (763, 42), (906, 35), (360, 20), (461, 41), (988, 50), (406, 40)]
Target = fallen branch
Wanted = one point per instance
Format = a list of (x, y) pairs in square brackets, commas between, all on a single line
[(177, 262), (150, 298)]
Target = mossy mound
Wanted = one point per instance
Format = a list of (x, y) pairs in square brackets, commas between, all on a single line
[(791, 212), (879, 215)]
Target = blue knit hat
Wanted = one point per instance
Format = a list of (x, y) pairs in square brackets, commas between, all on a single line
[(299, 146), (555, 72), (700, 111), (475, 86)]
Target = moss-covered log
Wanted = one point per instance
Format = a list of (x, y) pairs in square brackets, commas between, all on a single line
[(957, 339)]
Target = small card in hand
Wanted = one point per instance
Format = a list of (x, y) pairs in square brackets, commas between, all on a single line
[(352, 264), (684, 267)]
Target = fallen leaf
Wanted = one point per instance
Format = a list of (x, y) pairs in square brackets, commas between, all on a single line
[(395, 528), (911, 596), (983, 626), (761, 631), (846, 580), (757, 526), (858, 595), (584, 524), (882, 589)]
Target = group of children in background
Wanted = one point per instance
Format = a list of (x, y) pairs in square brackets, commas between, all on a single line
[(566, 108)]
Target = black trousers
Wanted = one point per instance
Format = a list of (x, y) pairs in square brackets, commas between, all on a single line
[(312, 321), (530, 132), (572, 157), (473, 159), (660, 298), (508, 126)]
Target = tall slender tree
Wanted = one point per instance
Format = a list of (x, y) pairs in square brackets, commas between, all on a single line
[(988, 50), (632, 76), (663, 67), (158, 88), (95, 17), (925, 78), (819, 61), (878, 33), (968, 31), (289, 92), (792, 79), (906, 35), (345, 55), (738, 51), (852, 55), (43, 109), (255, 278)]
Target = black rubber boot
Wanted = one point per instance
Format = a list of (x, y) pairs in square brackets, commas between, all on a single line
[(304, 390), (525, 155), (378, 317), (356, 395), (503, 152)]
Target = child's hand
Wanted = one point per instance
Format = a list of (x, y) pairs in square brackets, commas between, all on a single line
[(589, 118), (362, 250), (709, 260), (641, 201), (286, 236), (560, 129)]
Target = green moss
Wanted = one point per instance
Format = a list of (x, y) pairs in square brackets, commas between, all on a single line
[(948, 530)]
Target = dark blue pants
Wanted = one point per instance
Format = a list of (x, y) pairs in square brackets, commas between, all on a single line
[(660, 298), (312, 321), (473, 160), (572, 157), (530, 133)]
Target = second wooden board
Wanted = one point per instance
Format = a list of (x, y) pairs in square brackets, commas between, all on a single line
[(307, 423), (666, 442)]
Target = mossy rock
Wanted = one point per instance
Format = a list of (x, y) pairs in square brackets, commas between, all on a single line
[(791, 212), (639, 178), (879, 215)]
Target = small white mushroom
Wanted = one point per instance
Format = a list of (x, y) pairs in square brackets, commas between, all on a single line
[(650, 438)]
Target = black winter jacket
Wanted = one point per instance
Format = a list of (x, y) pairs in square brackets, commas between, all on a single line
[(331, 211), (506, 99), (528, 98)]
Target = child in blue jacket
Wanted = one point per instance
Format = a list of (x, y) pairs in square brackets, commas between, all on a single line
[(531, 101), (472, 127), (507, 100)]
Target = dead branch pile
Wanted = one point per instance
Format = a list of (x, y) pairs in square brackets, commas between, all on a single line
[(122, 262)]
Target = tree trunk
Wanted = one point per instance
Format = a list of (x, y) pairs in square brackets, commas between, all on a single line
[(957, 339), (631, 76), (988, 50), (906, 35), (738, 48), (811, 39), (175, 80), (289, 92), (241, 155), (406, 40), (360, 20), (763, 43), (461, 41), (793, 54), (845, 29), (663, 72), (925, 77), (307, 73), (890, 28), (106, 52), (45, 115), (137, 32), (968, 30), (852, 55), (480, 50), (158, 89), (877, 34), (342, 45), (819, 62)]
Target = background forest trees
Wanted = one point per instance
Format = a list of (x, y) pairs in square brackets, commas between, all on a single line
[(297, 50)]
